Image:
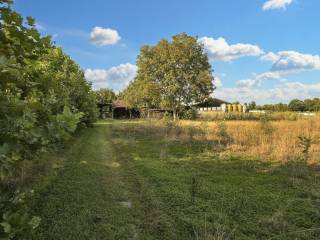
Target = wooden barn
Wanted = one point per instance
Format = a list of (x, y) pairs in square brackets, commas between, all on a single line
[(117, 109), (105, 110), (120, 110)]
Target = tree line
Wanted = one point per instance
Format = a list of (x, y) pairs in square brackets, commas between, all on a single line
[(296, 105), (44, 98)]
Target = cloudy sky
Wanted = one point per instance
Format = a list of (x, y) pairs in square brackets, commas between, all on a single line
[(262, 50)]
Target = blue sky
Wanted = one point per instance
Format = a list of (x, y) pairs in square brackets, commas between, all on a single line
[(261, 50)]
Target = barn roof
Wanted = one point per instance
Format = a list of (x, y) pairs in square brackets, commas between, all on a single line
[(119, 104), (211, 102)]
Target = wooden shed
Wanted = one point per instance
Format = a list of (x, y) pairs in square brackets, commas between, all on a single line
[(120, 110)]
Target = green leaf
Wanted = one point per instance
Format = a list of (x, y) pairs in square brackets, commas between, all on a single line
[(6, 227), (35, 222), (31, 21), (4, 149)]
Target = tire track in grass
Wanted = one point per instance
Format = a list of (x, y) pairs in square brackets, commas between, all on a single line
[(154, 219), (87, 199)]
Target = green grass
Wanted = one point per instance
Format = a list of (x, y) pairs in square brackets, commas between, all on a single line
[(121, 181)]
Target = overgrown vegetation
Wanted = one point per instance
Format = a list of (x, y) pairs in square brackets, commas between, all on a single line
[(44, 98), (155, 179), (105, 95), (160, 180), (272, 116), (281, 141)]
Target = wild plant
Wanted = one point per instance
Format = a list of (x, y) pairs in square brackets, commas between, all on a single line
[(305, 144), (266, 126), (194, 188), (224, 139)]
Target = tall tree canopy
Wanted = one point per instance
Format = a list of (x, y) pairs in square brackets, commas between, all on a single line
[(296, 105), (171, 74), (105, 95)]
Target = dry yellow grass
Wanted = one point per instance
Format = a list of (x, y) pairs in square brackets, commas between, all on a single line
[(280, 142)]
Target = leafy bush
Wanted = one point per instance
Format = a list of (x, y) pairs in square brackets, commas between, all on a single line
[(266, 126), (44, 98), (305, 143), (16, 223), (190, 114), (223, 136)]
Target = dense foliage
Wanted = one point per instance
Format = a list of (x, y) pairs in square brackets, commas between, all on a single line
[(296, 105), (171, 75), (44, 98), (105, 95)]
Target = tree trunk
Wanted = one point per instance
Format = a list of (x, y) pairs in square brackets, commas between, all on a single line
[(175, 115)]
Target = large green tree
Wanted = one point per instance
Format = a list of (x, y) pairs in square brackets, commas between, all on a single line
[(296, 105), (171, 74), (105, 95)]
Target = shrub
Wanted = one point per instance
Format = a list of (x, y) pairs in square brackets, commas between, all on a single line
[(223, 137), (265, 125), (44, 98), (190, 114), (305, 144)]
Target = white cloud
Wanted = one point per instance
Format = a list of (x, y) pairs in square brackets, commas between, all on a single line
[(258, 79), (104, 36), (282, 93), (270, 75), (292, 61), (116, 77), (220, 50), (270, 56), (248, 83), (283, 64), (276, 4)]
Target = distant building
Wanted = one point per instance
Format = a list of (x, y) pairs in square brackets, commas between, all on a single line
[(257, 111), (218, 105), (308, 114), (117, 109), (212, 104), (234, 108)]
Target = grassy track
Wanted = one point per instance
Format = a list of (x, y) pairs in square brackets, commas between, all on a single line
[(118, 183)]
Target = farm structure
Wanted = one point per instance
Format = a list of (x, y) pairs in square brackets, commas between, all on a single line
[(234, 108), (117, 109), (158, 113), (218, 105)]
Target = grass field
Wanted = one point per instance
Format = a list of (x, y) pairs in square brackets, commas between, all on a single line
[(137, 180)]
